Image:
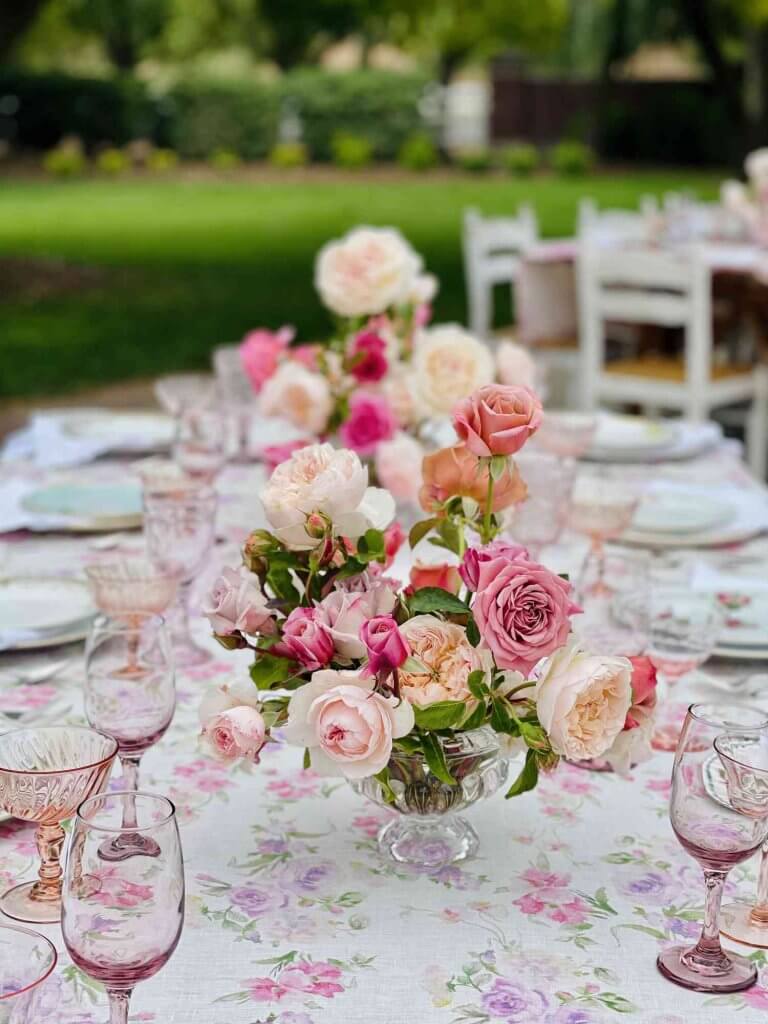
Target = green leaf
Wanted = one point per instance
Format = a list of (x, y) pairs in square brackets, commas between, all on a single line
[(435, 758), (527, 778), (501, 718), (498, 466), (420, 530), (370, 547), (382, 778), (476, 718), (412, 664), (282, 585), (307, 762), (443, 714), (268, 671), (534, 735), (469, 507), (451, 535), (476, 684), (473, 633), (435, 599)]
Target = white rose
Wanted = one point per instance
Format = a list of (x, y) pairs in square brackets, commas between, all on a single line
[(449, 363), (423, 289), (298, 395), (365, 272), (398, 467), (334, 483), (515, 365), (399, 389), (756, 166), (734, 196), (582, 701)]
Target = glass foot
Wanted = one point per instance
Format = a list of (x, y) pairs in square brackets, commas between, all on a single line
[(736, 923), (428, 843), (20, 904), (128, 845), (187, 654), (732, 974)]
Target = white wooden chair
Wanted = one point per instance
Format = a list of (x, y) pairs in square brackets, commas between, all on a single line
[(645, 286), (492, 250), (615, 226)]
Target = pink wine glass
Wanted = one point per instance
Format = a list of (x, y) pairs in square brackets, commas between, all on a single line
[(122, 921), (603, 504), (27, 960), (180, 529), (200, 446), (710, 820), (135, 709), (45, 772)]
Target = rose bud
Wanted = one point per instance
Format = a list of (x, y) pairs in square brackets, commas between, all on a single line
[(384, 644), (257, 544)]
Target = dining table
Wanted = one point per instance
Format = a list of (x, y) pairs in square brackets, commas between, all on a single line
[(293, 916)]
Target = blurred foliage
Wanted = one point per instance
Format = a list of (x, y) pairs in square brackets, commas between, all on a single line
[(66, 160), (209, 115), (572, 159), (162, 160), (124, 26), (289, 154), (520, 159), (418, 152), (476, 159), (351, 151), (113, 161), (224, 160)]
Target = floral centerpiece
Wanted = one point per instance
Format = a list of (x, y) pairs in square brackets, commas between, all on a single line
[(417, 695), (748, 202)]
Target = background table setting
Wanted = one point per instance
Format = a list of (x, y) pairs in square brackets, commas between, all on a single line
[(293, 911)]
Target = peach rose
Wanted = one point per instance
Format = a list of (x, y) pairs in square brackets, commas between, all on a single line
[(456, 471), (515, 365), (582, 701), (232, 724), (448, 656), (298, 395), (449, 363), (497, 419), (439, 574), (398, 467), (347, 728)]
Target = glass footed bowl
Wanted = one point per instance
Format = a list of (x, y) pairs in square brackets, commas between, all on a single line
[(26, 961), (129, 586), (428, 833)]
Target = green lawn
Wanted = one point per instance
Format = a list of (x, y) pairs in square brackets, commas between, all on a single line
[(185, 265)]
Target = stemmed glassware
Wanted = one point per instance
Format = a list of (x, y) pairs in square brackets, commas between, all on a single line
[(45, 773), (180, 529), (719, 813), (236, 391), (134, 707), (177, 392), (683, 630), (200, 446), (603, 504), (566, 434), (26, 961), (541, 518), (111, 934)]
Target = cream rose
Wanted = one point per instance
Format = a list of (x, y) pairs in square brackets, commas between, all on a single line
[(447, 655), (365, 272), (756, 167), (298, 395), (399, 390), (582, 701), (423, 289), (633, 746), (515, 365), (347, 728), (449, 363), (334, 483), (398, 467)]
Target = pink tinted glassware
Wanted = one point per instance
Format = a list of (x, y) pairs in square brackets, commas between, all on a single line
[(603, 503), (683, 630), (541, 518), (236, 394), (180, 529), (711, 825), (121, 922), (566, 434), (179, 391), (27, 960), (135, 708), (45, 772), (200, 446)]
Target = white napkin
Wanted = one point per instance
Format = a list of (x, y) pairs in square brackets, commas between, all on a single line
[(13, 515), (44, 443)]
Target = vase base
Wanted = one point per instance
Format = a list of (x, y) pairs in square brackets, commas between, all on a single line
[(428, 843)]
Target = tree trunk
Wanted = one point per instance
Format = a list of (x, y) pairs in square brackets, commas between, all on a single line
[(16, 16)]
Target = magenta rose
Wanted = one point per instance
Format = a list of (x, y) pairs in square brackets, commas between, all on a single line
[(497, 419), (367, 358), (386, 647), (370, 421), (275, 454), (469, 570), (306, 639), (261, 351), (522, 611)]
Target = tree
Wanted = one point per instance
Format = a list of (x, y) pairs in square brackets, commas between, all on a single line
[(124, 26), (15, 18)]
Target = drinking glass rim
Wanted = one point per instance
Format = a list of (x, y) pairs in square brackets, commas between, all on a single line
[(43, 977), (181, 490), (116, 625), (121, 829), (721, 724), (735, 760), (60, 771), (94, 572)]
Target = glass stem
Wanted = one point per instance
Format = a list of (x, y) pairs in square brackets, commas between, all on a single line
[(179, 614), (759, 915), (131, 781), (119, 1000), (50, 840), (708, 945)]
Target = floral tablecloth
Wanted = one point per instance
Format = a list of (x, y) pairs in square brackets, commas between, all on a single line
[(294, 918)]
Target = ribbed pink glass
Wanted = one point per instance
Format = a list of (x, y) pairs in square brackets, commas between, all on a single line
[(566, 434), (45, 773), (125, 587), (27, 960)]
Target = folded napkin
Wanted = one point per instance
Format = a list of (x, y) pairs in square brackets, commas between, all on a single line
[(13, 515), (44, 443)]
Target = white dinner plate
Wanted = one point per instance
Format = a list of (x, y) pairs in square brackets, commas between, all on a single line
[(749, 518), (38, 611), (86, 507), (690, 440), (680, 513), (632, 434), (122, 431)]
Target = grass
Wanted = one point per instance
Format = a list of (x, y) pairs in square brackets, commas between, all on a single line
[(177, 266)]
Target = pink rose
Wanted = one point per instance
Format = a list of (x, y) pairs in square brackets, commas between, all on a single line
[(237, 604), (643, 689), (346, 726), (497, 419), (238, 732), (367, 358), (274, 454), (307, 355), (398, 467), (344, 613), (261, 351), (370, 421), (469, 570), (438, 574), (394, 538), (522, 611), (306, 639), (386, 648)]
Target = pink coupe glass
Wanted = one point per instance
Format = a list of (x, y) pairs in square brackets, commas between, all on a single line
[(180, 529), (45, 772), (716, 823), (541, 518), (121, 922), (200, 446), (27, 960), (603, 504), (566, 434)]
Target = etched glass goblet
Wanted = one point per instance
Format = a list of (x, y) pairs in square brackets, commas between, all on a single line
[(27, 960), (45, 773), (121, 922), (602, 506)]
